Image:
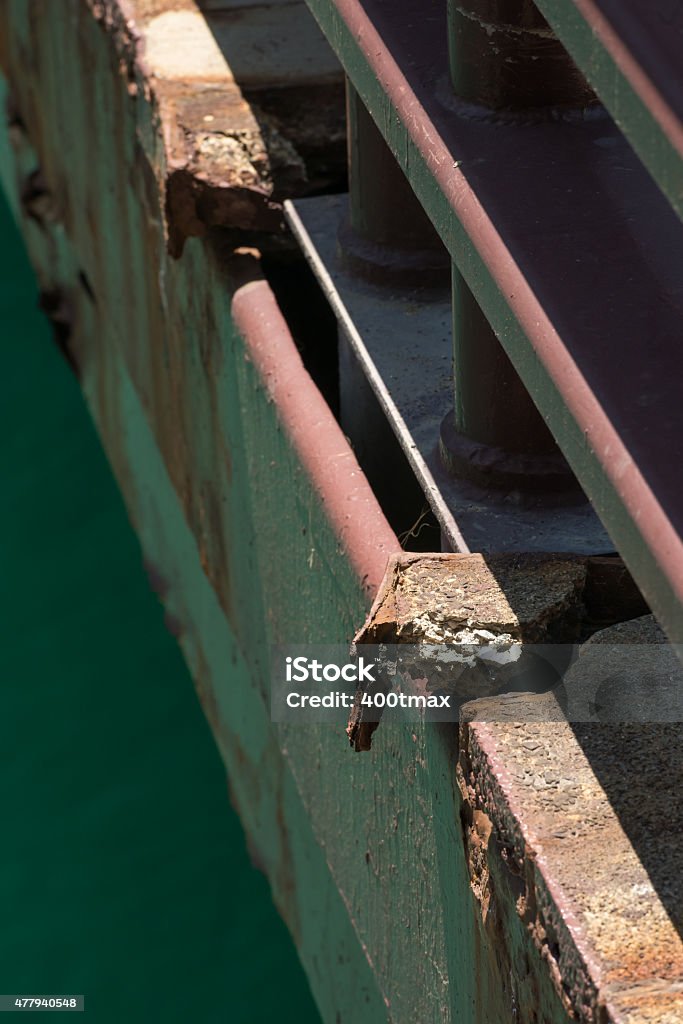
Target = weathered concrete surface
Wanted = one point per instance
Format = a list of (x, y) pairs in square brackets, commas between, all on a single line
[(537, 598), (445, 599)]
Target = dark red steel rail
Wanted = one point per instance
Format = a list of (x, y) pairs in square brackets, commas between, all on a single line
[(573, 254)]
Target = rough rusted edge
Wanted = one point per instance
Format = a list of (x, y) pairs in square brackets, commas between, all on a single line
[(577, 980), (358, 730), (197, 195), (118, 19), (617, 955), (381, 624), (384, 606), (362, 529)]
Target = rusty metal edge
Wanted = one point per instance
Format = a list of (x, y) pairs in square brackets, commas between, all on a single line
[(353, 510), (197, 195), (586, 986)]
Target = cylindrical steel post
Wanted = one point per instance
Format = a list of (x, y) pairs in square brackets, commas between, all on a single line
[(503, 57), (495, 435), (495, 407), (388, 235)]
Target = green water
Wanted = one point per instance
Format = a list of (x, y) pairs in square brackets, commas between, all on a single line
[(123, 869)]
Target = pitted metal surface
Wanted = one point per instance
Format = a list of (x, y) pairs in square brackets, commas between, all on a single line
[(590, 817), (428, 597)]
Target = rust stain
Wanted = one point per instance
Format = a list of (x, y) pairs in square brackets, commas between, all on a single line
[(230, 162), (611, 950), (227, 165), (206, 693), (210, 529), (431, 598)]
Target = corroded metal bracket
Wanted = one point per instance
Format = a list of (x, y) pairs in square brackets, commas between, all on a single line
[(231, 152), (533, 599)]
